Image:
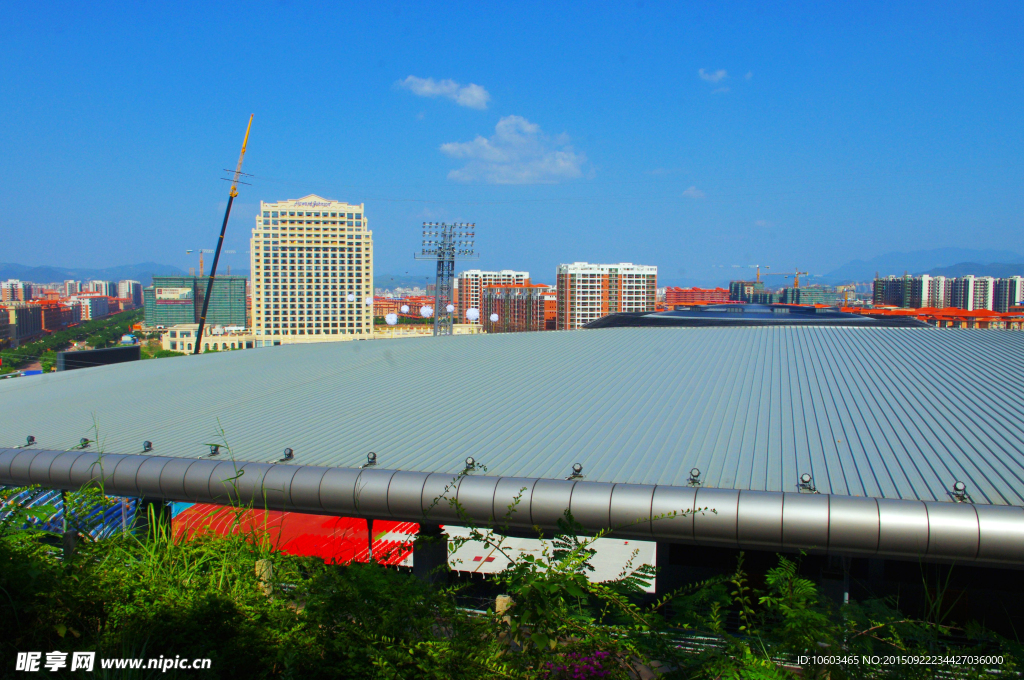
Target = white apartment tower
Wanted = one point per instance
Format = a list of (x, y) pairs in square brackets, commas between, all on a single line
[(312, 272), (586, 292), (1009, 293), (471, 283), (984, 292)]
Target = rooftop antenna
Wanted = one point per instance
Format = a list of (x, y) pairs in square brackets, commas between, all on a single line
[(220, 241)]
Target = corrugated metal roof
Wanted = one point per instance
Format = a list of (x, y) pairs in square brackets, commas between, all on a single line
[(892, 413)]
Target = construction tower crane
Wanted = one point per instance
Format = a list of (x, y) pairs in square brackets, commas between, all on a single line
[(220, 242), (846, 290), (205, 251), (796, 276)]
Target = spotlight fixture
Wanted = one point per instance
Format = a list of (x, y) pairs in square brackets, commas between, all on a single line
[(288, 455), (806, 484), (147, 446), (577, 471), (214, 449), (960, 494), (694, 477), (30, 440), (470, 464), (371, 460), (83, 443)]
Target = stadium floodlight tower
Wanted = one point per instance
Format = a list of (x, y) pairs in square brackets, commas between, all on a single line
[(446, 243)]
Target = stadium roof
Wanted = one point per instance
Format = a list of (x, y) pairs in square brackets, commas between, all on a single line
[(876, 413), (749, 314), (893, 413)]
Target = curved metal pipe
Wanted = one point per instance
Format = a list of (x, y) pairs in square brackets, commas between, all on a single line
[(842, 525)]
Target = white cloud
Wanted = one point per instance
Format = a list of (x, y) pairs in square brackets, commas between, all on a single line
[(693, 192), (720, 90), (473, 96), (518, 153), (763, 223), (720, 74), (750, 74)]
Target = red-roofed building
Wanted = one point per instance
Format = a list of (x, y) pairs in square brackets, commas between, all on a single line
[(695, 296)]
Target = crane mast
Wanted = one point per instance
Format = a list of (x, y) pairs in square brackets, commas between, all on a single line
[(220, 241)]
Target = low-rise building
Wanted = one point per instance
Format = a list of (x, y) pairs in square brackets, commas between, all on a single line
[(695, 296)]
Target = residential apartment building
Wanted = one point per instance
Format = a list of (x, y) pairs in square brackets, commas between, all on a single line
[(309, 256), (130, 290), (108, 288), (92, 305), (892, 291), (984, 292), (808, 295), (13, 290), (519, 308), (929, 291), (471, 283), (56, 316), (692, 296), (961, 294), (587, 292), (25, 319), (742, 291), (72, 287), (1009, 293)]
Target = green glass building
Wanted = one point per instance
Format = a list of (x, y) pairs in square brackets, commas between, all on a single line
[(173, 300)]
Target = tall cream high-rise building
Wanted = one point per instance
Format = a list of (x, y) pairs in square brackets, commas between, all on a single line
[(309, 255)]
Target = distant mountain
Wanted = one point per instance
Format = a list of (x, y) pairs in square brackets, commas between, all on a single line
[(996, 269), (143, 273), (915, 262)]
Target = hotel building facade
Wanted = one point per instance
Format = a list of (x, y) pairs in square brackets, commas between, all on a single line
[(586, 292), (308, 256)]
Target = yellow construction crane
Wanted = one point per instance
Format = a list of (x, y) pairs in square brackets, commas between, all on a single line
[(220, 242), (796, 276), (846, 290)]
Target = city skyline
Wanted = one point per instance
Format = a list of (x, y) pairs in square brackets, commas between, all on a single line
[(757, 138)]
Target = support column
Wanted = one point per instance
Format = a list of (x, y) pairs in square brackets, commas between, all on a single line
[(161, 517), (670, 576), (430, 554)]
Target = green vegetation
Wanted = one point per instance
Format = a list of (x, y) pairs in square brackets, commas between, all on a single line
[(258, 613), (99, 333), (379, 322)]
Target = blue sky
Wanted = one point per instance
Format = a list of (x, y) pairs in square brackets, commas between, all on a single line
[(687, 135)]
